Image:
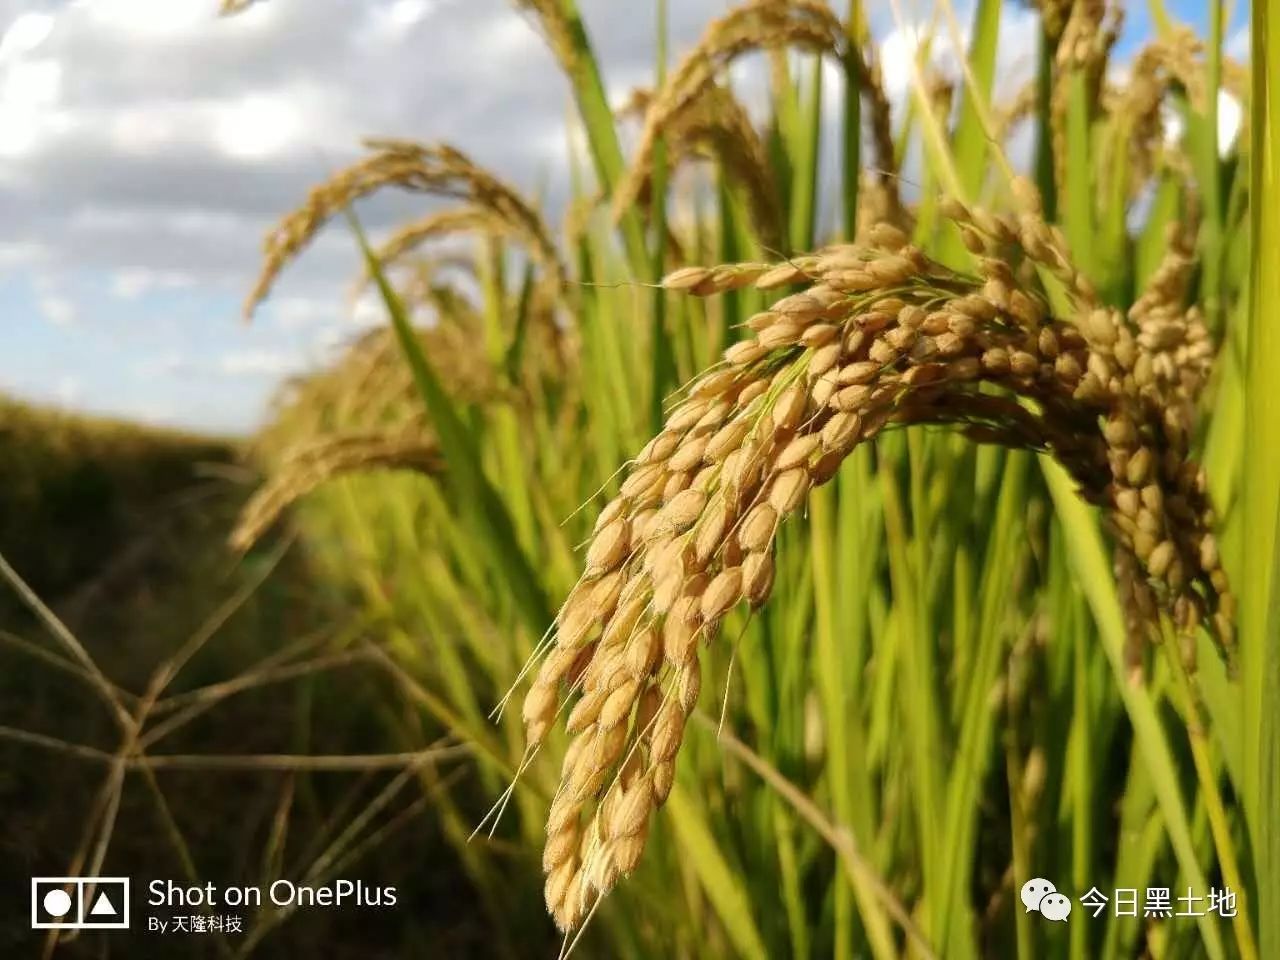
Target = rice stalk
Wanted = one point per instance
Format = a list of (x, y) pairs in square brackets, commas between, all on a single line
[(562, 24), (1260, 560)]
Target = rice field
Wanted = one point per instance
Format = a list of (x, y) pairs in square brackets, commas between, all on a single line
[(766, 558)]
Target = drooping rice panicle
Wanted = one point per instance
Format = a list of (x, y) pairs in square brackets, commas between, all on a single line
[(716, 124), (762, 24), (438, 170), (1084, 47), (305, 469), (878, 335)]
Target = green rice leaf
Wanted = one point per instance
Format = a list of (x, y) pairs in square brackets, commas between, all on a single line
[(1093, 571), (717, 879), (473, 492), (1259, 586)]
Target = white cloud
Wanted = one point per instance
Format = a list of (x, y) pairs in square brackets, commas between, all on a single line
[(134, 282), (394, 22), (19, 131), (1230, 115), (405, 13), (253, 127), (260, 362), (147, 145), (150, 20), (150, 127), (257, 126), (27, 32), (164, 365), (102, 217), (57, 309), (898, 51), (1017, 51), (368, 311), (509, 35), (21, 253), (32, 83), (300, 313), (29, 90), (332, 341)]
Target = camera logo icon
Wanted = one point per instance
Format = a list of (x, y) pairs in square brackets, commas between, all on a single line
[(79, 903)]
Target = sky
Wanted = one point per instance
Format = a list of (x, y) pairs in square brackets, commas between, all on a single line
[(147, 145)]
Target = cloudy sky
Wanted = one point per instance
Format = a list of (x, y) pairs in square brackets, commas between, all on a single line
[(146, 145)]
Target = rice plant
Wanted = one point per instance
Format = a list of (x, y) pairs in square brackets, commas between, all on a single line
[(1016, 414)]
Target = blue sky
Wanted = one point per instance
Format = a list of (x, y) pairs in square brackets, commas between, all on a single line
[(146, 145)]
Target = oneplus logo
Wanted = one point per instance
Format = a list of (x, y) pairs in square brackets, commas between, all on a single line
[(79, 903)]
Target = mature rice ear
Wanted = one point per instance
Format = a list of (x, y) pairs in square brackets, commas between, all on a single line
[(315, 464), (761, 23), (440, 170), (1172, 62), (1084, 46), (713, 123), (901, 340), (757, 25)]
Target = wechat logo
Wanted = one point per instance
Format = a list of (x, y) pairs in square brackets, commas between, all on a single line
[(1043, 897)]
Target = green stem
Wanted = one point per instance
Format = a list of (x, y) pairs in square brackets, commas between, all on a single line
[(852, 121), (1259, 590), (1092, 570), (1211, 187), (1210, 794), (602, 135), (663, 373)]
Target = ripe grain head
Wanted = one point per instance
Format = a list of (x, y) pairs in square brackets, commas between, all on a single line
[(915, 343)]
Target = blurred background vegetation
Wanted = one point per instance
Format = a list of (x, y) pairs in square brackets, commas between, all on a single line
[(122, 530)]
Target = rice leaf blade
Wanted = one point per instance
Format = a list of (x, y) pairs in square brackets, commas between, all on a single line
[(474, 492), (715, 876)]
